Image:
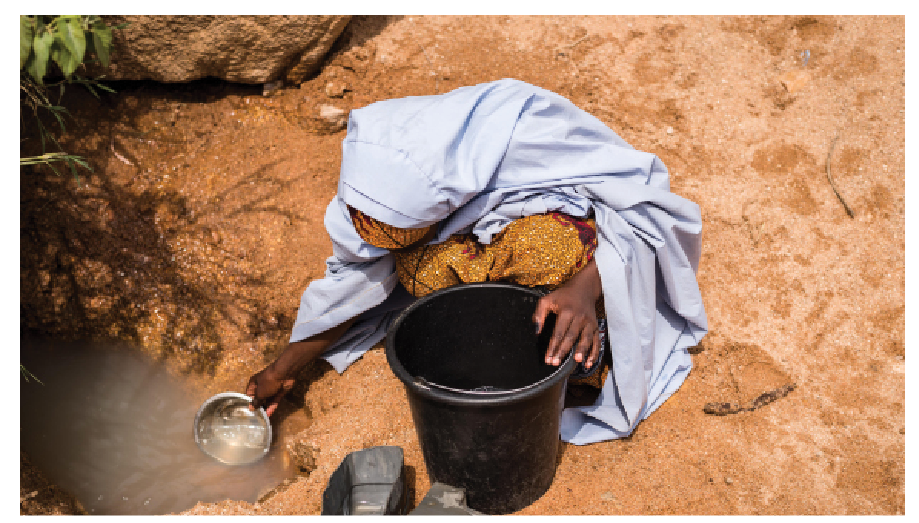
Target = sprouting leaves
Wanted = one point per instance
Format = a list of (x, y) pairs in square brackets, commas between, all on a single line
[(65, 40)]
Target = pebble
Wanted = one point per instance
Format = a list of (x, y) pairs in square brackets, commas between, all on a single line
[(607, 496), (728, 480), (270, 87), (333, 115), (335, 89), (794, 81)]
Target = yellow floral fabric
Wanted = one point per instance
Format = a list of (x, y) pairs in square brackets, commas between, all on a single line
[(541, 250), (384, 236)]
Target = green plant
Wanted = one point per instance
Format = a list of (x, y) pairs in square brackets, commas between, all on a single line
[(26, 374), (66, 41)]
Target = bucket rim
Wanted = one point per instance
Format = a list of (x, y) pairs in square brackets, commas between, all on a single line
[(443, 394)]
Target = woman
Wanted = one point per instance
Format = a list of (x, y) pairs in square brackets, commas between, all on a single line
[(471, 168)]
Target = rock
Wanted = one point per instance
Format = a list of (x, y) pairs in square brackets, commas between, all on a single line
[(728, 481), (335, 89), (245, 49), (268, 88), (303, 456), (794, 81), (336, 118), (607, 496)]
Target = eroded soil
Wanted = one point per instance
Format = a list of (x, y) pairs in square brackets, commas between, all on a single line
[(202, 223)]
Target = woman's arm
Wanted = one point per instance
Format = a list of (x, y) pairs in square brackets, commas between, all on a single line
[(267, 387), (574, 304)]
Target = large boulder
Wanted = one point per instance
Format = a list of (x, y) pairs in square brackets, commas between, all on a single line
[(245, 49)]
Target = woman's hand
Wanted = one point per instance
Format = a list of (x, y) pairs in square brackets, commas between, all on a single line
[(574, 305), (266, 388)]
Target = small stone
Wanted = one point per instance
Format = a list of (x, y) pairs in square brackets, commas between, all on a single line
[(607, 496), (794, 81), (338, 118), (304, 456), (670, 130), (728, 480), (335, 89), (270, 87)]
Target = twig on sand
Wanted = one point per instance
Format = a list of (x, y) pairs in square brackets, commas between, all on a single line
[(433, 72), (560, 50), (723, 409), (122, 158), (833, 184)]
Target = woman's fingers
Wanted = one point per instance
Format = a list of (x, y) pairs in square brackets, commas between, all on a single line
[(584, 353), (543, 307), (563, 337), (250, 391), (272, 407), (594, 349), (573, 331)]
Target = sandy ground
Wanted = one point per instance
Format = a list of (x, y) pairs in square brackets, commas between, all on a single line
[(201, 224)]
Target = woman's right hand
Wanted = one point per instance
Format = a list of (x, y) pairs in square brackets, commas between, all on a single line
[(266, 388)]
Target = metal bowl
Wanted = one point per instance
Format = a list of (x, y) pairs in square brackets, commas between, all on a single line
[(228, 431)]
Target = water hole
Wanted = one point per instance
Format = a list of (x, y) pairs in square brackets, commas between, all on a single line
[(115, 430)]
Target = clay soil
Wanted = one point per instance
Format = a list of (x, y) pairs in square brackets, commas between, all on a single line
[(202, 222)]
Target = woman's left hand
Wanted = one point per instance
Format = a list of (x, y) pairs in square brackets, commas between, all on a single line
[(574, 305)]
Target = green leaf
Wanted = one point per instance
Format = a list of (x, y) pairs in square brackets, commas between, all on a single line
[(62, 57), (89, 87), (60, 121), (102, 42), (71, 35), (26, 34), (41, 47), (73, 168)]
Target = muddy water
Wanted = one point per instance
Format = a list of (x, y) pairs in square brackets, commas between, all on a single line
[(115, 430)]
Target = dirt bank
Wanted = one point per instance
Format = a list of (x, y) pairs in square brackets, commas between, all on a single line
[(201, 224)]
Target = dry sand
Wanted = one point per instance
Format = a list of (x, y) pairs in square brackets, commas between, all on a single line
[(202, 224)]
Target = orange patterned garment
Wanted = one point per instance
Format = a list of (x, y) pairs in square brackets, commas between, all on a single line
[(541, 250), (384, 236)]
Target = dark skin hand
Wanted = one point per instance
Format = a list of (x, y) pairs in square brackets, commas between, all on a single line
[(574, 305), (267, 387)]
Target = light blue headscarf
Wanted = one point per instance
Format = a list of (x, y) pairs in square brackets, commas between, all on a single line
[(479, 157)]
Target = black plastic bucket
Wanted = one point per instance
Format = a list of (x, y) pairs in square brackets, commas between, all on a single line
[(485, 405)]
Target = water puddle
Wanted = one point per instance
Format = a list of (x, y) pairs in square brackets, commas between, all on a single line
[(115, 431)]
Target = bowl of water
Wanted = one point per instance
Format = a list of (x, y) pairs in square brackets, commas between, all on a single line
[(227, 430)]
